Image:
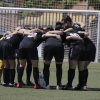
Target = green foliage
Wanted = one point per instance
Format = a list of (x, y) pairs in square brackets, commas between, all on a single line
[(64, 4), (5, 5), (95, 4), (67, 4), (49, 3)]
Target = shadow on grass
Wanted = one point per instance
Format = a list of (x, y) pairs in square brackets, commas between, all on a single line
[(93, 89), (54, 88)]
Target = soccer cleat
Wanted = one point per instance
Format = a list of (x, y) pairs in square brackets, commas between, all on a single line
[(80, 87), (37, 86), (85, 87), (47, 87), (29, 83), (58, 87), (67, 87), (18, 85), (4, 84), (12, 85)]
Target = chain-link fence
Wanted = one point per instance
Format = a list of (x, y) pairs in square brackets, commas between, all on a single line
[(53, 4)]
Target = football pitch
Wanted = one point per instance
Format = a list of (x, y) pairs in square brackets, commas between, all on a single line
[(28, 93)]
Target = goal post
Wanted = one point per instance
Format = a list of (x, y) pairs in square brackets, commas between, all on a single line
[(35, 17)]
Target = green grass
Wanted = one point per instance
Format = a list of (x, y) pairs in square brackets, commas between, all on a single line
[(93, 92)]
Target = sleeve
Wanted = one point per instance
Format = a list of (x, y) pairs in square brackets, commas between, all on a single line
[(81, 35)]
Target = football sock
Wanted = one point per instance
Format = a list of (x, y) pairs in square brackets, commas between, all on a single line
[(71, 75), (81, 78), (59, 73), (28, 70), (12, 75), (20, 73), (46, 73), (36, 74), (86, 76)]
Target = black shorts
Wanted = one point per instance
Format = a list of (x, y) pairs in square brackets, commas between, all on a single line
[(78, 53), (56, 51), (91, 51), (6, 51), (30, 53)]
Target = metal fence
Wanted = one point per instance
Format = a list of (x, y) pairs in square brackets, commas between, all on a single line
[(53, 4)]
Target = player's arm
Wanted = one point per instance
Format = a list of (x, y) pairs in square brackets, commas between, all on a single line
[(51, 35), (55, 32), (73, 38), (82, 25), (85, 33), (59, 32), (68, 30)]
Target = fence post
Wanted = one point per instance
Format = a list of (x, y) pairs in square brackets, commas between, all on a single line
[(98, 39)]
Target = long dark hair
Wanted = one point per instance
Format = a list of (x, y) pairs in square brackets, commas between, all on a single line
[(67, 18)]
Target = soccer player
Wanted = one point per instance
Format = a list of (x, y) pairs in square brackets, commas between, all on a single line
[(28, 70), (76, 55), (29, 64), (90, 47), (7, 49), (28, 48), (53, 48)]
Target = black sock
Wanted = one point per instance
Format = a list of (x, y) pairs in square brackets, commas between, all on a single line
[(18, 64), (59, 73), (12, 75), (20, 73), (36, 74), (46, 73), (86, 76), (6, 75), (81, 78), (71, 75), (28, 70)]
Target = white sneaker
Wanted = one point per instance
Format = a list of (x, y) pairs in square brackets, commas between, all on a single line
[(11, 85), (85, 87), (4, 84), (47, 87), (58, 87)]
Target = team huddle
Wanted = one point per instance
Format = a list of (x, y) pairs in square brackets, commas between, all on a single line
[(22, 43)]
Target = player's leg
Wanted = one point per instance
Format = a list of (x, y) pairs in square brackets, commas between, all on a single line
[(12, 72), (33, 56), (28, 73), (74, 55), (1, 68), (22, 57), (48, 55), (7, 52), (6, 73), (59, 56), (91, 51), (81, 64)]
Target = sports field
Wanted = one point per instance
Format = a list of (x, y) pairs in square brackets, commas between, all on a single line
[(28, 93)]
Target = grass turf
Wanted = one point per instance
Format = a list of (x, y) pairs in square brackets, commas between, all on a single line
[(28, 93)]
